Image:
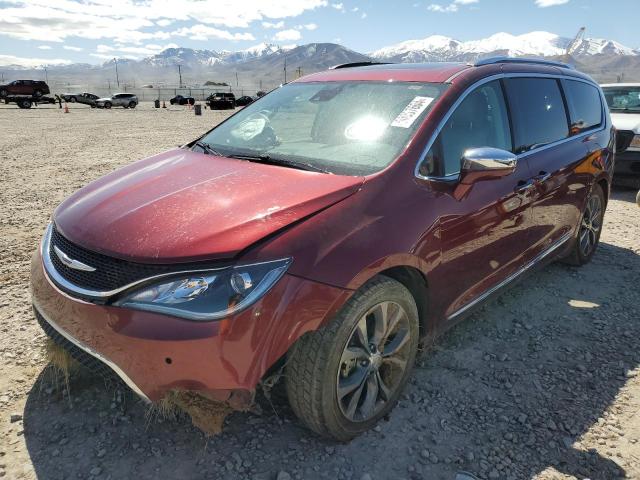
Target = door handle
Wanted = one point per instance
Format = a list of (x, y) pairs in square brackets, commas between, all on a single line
[(523, 187), (542, 177)]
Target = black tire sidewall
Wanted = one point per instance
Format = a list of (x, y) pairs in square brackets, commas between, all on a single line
[(582, 259), (386, 290)]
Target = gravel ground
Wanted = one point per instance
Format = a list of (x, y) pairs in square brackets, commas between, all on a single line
[(542, 383)]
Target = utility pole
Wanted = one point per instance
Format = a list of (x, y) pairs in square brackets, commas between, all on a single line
[(46, 77), (115, 61), (237, 84), (299, 71), (180, 75), (285, 69)]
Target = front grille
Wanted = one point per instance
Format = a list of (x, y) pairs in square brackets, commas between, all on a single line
[(89, 361), (110, 274)]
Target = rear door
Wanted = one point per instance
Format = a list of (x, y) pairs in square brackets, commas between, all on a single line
[(483, 230), (542, 135)]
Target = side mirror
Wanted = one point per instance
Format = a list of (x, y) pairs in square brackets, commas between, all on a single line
[(486, 163)]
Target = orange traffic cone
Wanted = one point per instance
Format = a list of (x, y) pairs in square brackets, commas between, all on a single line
[(66, 107), (164, 105)]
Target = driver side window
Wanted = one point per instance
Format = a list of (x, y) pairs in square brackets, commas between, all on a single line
[(481, 120)]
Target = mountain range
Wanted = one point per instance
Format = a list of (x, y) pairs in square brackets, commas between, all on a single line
[(263, 65)]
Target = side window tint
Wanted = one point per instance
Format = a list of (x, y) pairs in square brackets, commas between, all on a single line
[(539, 115), (585, 105), (481, 120)]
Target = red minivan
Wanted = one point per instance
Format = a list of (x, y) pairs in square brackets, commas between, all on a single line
[(327, 229)]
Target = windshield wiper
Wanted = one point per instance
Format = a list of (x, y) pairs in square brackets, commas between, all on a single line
[(208, 149), (268, 159)]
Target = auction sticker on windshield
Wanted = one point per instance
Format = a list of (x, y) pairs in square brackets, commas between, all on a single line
[(412, 111)]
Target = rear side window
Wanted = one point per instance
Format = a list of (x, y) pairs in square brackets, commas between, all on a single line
[(585, 105), (481, 120), (538, 113)]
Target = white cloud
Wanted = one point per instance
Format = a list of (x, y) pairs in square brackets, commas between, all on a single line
[(128, 51), (550, 3), (363, 15), (204, 32), (279, 24), (73, 49), (465, 2), (44, 47), (56, 20), (32, 62), (355, 9), (310, 26), (338, 6), (287, 35), (434, 7)]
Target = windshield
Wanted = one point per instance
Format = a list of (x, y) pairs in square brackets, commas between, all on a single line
[(347, 128), (623, 99)]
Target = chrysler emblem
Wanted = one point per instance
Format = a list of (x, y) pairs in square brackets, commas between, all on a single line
[(71, 263)]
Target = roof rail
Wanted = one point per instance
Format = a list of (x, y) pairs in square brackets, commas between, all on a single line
[(536, 61), (357, 64)]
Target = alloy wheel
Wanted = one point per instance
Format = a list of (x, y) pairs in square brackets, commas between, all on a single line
[(590, 225), (373, 362)]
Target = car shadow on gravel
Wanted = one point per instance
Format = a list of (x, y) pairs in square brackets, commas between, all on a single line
[(507, 394), (625, 194)]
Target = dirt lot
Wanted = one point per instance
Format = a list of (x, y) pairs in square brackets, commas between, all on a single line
[(543, 383)]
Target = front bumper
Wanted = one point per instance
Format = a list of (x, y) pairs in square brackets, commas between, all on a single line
[(627, 168), (153, 353)]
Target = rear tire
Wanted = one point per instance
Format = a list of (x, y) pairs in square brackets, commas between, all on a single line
[(72, 99), (107, 105), (589, 229), (24, 103), (342, 379)]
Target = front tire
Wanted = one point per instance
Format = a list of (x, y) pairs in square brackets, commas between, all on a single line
[(589, 229), (132, 104), (107, 105), (342, 379)]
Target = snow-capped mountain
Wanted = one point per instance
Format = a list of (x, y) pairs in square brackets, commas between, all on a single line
[(540, 44)]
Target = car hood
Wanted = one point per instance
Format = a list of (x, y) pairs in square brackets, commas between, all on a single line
[(626, 121), (183, 206)]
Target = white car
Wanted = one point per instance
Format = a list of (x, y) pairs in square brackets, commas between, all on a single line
[(624, 104), (126, 100)]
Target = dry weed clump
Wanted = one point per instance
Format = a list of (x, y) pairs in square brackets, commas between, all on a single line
[(206, 414)]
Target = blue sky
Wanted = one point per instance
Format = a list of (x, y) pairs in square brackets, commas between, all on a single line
[(39, 31)]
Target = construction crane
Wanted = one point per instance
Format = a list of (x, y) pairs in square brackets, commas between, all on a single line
[(574, 44)]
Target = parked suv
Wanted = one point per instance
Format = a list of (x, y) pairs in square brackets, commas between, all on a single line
[(126, 100), (325, 229), (35, 88), (221, 101), (624, 103)]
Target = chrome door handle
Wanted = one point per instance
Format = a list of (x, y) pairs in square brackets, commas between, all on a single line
[(542, 177), (524, 187)]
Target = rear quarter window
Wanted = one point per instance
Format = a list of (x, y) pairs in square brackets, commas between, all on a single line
[(538, 112), (585, 105)]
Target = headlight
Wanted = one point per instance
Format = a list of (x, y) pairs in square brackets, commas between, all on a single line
[(208, 295), (635, 143)]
